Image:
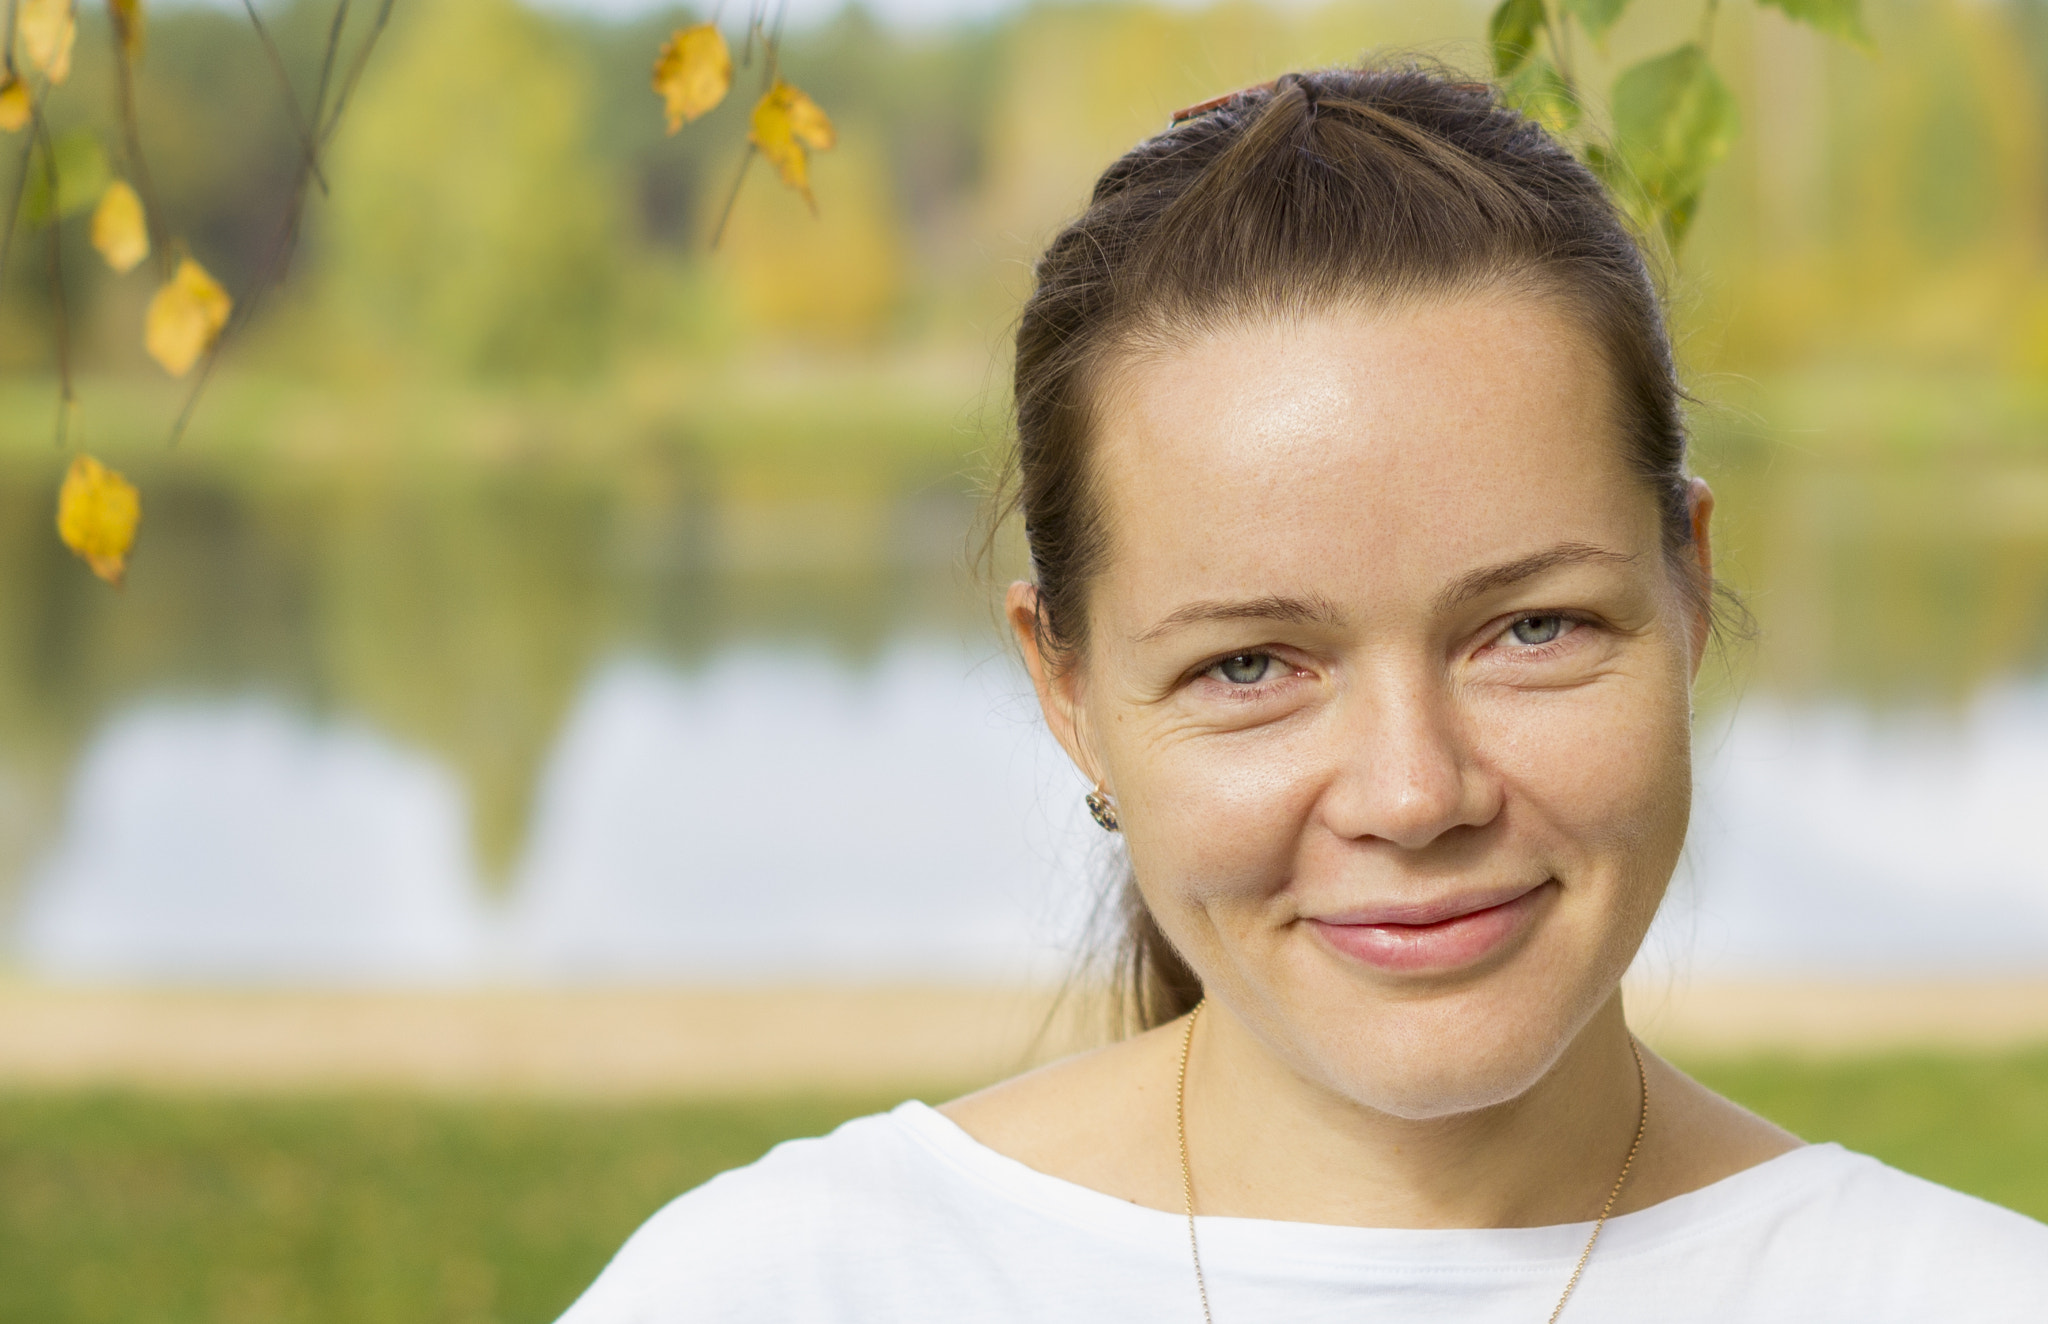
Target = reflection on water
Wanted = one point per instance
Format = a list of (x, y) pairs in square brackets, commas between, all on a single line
[(646, 723), (238, 840), (774, 815), (457, 610), (1829, 838), (779, 815)]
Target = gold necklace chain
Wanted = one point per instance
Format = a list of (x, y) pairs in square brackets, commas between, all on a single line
[(1187, 1172)]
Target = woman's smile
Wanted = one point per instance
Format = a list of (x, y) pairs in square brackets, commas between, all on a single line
[(1437, 937)]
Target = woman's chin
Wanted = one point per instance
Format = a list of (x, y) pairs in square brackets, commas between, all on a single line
[(1452, 1052), (1450, 1082)]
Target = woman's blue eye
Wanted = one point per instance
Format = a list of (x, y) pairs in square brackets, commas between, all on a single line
[(1245, 668), (1538, 629)]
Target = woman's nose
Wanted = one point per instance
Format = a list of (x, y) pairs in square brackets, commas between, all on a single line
[(1405, 772)]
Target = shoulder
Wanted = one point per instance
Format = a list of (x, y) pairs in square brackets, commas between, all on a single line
[(1909, 1248), (752, 1241), (1915, 1212), (1092, 1119)]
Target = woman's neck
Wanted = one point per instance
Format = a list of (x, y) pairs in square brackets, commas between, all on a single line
[(1265, 1142)]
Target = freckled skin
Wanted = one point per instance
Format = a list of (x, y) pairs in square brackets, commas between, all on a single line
[(1385, 739), (1408, 752)]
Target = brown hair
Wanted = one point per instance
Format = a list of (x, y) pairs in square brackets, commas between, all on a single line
[(1326, 189)]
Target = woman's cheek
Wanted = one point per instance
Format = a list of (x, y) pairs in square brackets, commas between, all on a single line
[(1219, 815), (1605, 763)]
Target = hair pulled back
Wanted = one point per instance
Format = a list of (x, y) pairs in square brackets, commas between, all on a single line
[(1337, 188)]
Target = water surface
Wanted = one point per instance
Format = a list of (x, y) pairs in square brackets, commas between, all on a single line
[(528, 727)]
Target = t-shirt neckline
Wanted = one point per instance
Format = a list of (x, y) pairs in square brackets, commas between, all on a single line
[(1752, 1192)]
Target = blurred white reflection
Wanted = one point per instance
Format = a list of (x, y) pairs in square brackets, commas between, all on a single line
[(240, 842), (777, 816), (1829, 840)]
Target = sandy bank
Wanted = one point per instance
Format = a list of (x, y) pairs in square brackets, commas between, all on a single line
[(642, 1043)]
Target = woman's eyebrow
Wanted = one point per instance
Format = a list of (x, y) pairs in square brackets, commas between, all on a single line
[(1488, 579), (1298, 611)]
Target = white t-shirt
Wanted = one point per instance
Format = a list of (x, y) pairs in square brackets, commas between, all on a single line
[(903, 1218)]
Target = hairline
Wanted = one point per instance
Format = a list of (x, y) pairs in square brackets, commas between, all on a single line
[(1112, 357)]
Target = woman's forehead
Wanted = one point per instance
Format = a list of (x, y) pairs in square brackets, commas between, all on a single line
[(1434, 437)]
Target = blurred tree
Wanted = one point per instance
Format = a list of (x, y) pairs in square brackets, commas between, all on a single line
[(831, 279), (475, 232)]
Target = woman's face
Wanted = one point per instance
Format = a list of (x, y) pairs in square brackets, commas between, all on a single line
[(1388, 674)]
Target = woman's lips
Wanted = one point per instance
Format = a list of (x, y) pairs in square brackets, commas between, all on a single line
[(1435, 938)]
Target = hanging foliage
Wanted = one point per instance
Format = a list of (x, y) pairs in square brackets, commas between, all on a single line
[(692, 74), (48, 30), (62, 174), (786, 123), (119, 230), (186, 316), (15, 104), (1671, 118), (97, 513)]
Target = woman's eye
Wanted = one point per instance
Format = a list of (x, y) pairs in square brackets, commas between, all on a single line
[(1535, 630), (1247, 668)]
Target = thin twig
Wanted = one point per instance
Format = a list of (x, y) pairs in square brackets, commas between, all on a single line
[(327, 60), (198, 386), (757, 14), (355, 71), (59, 314), (291, 98), (774, 41), (28, 150), (295, 207), (245, 310), (733, 196), (131, 138)]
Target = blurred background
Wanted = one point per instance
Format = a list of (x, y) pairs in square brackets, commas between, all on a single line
[(550, 668)]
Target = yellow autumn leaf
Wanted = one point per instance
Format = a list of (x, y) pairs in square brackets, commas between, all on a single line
[(118, 230), (15, 106), (185, 317), (692, 73), (97, 511), (48, 30), (785, 123)]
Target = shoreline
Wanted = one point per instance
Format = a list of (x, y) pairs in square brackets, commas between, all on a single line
[(647, 1043)]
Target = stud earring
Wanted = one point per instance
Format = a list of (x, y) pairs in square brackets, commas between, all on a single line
[(1102, 811)]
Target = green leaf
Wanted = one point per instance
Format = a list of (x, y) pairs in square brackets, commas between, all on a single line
[(1677, 218), (1601, 163), (1837, 18), (1512, 30), (1628, 195), (1595, 16), (1538, 91), (82, 175), (1674, 120)]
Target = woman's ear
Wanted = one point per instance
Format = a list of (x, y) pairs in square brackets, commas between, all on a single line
[(1699, 509), (1057, 686)]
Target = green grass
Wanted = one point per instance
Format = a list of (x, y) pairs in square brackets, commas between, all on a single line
[(123, 1209), (174, 1210), (1978, 1123)]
